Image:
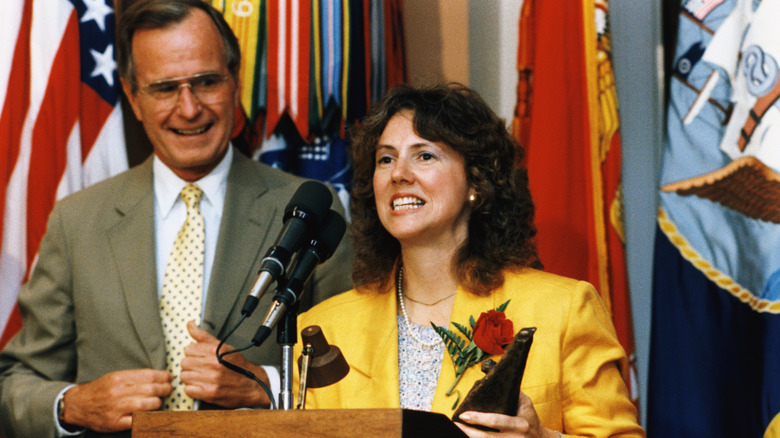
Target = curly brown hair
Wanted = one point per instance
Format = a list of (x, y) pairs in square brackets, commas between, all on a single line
[(501, 229)]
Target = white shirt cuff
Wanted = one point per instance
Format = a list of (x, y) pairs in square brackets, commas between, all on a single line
[(274, 381), (61, 431)]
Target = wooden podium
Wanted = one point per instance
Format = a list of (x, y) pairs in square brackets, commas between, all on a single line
[(294, 423)]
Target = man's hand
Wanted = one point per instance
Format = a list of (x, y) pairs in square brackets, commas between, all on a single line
[(107, 404), (208, 380)]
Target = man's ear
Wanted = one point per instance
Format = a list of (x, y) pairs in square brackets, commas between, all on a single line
[(132, 98), (238, 93)]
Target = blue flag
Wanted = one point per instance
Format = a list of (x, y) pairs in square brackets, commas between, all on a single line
[(715, 347)]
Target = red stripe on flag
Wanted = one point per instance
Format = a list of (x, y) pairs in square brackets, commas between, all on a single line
[(12, 326), (395, 43), (15, 107), (367, 48), (94, 112), (55, 122), (301, 81), (272, 111), (289, 27), (17, 103), (284, 81)]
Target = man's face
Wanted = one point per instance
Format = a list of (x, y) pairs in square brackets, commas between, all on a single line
[(186, 96)]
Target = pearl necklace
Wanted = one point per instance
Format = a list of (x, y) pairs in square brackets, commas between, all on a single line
[(399, 289)]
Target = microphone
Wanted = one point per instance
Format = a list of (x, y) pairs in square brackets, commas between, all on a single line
[(319, 250), (302, 219)]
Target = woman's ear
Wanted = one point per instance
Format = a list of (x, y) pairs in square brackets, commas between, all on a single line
[(473, 197)]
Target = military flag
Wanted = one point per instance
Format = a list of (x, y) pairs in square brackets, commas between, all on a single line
[(715, 345), (289, 43), (354, 53), (247, 19), (567, 120)]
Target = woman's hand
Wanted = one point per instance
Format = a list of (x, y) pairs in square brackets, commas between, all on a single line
[(526, 424)]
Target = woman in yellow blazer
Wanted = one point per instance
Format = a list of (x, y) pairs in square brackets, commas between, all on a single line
[(443, 231)]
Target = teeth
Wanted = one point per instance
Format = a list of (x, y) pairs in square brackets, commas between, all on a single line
[(195, 131), (407, 203)]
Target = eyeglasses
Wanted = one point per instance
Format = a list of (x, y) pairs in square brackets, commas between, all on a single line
[(209, 87)]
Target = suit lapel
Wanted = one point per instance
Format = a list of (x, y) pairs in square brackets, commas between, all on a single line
[(243, 234), (130, 230)]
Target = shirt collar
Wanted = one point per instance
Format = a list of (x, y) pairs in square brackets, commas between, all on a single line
[(168, 185)]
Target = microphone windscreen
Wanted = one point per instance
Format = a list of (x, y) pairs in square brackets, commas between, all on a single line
[(330, 235), (312, 198)]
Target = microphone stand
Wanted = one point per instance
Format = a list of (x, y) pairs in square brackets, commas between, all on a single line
[(286, 337)]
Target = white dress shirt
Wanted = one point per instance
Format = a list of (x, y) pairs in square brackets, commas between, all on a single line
[(170, 213)]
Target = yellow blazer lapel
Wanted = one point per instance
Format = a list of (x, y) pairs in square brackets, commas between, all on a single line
[(373, 348), (363, 326)]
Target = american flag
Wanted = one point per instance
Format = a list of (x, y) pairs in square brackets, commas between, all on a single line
[(60, 123)]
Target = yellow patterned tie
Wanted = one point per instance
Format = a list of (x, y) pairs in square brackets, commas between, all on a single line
[(182, 291)]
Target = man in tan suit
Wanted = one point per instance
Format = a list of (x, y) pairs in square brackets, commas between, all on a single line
[(92, 347)]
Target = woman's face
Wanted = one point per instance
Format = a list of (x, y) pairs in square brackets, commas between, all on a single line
[(420, 187)]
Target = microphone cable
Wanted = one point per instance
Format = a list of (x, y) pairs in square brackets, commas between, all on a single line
[(238, 369)]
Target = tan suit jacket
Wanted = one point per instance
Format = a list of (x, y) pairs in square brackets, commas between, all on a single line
[(91, 305), (571, 374)]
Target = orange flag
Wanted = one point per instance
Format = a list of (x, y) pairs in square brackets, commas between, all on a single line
[(566, 118)]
